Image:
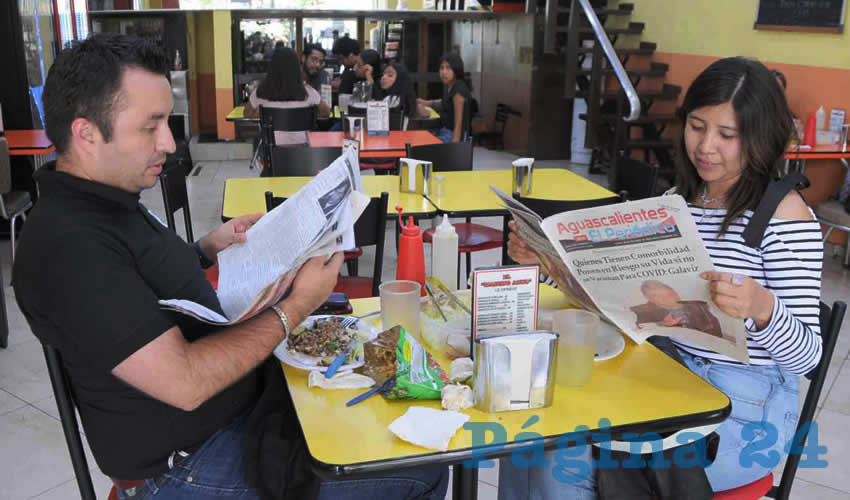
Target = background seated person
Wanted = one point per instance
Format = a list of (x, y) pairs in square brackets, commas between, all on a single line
[(452, 107), (347, 51), (283, 88), (398, 90)]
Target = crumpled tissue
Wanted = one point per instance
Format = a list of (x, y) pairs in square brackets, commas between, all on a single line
[(345, 380), (428, 427), (457, 397), (461, 370)]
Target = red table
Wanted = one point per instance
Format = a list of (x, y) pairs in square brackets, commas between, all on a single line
[(377, 146), (30, 143), (822, 152)]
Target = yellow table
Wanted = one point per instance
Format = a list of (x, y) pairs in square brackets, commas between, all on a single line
[(247, 195), (468, 192), (640, 390)]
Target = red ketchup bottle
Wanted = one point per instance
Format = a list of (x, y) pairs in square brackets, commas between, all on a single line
[(411, 255)]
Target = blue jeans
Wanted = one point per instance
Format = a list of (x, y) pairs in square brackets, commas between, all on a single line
[(444, 134), (216, 470), (758, 394)]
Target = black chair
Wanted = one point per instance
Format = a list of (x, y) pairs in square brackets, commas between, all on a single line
[(293, 161), (370, 229), (634, 179), (830, 326), (451, 157), (172, 180), (497, 133), (181, 155), (65, 402), (284, 120)]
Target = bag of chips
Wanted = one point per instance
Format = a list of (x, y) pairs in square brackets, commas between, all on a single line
[(394, 353)]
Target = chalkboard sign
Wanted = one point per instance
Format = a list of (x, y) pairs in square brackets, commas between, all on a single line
[(801, 15)]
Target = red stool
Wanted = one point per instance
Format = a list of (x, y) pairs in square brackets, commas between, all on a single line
[(470, 238), (752, 491)]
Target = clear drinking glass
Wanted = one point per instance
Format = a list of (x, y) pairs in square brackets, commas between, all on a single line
[(577, 330), (400, 305)]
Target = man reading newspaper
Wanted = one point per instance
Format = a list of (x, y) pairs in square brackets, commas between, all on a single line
[(165, 399)]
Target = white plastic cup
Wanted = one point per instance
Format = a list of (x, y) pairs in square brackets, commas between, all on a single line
[(577, 330), (400, 305)]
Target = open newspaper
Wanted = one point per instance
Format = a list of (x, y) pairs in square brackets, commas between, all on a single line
[(637, 265), (318, 220)]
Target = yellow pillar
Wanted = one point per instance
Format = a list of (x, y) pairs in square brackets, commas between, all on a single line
[(223, 73)]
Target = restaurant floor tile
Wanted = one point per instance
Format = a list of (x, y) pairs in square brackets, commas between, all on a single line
[(34, 459)]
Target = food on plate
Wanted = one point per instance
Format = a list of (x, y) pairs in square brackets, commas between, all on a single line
[(325, 339), (394, 353)]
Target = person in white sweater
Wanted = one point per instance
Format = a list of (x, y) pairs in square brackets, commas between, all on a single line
[(737, 126)]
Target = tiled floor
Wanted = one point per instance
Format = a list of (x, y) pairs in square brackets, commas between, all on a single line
[(34, 460)]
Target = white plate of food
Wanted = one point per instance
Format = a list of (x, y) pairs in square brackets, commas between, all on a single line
[(315, 343)]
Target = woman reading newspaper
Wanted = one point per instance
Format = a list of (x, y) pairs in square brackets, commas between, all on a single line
[(736, 128)]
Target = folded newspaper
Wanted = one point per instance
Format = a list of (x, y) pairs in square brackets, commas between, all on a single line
[(318, 220), (637, 265)]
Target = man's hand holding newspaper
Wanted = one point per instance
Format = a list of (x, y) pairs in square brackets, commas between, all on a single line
[(317, 221), (637, 264)]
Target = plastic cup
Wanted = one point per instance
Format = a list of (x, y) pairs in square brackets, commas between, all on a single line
[(438, 186), (400, 305), (577, 332)]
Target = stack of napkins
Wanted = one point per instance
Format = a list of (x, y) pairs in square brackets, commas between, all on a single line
[(344, 380), (428, 427)]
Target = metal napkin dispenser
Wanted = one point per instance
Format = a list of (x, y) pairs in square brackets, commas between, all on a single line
[(515, 371), (414, 176), (521, 170)]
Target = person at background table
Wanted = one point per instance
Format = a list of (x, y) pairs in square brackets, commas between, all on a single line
[(283, 88), (367, 68), (166, 401), (736, 128), (313, 65), (453, 106), (348, 52), (398, 90)]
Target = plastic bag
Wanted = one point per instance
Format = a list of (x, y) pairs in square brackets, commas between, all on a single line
[(394, 353)]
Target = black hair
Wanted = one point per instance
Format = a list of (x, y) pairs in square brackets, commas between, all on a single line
[(283, 82), (279, 45), (403, 88), (310, 47), (764, 122), (456, 64), (346, 46), (780, 77), (85, 82), (373, 59)]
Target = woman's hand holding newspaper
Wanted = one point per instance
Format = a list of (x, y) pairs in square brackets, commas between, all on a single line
[(740, 296), (518, 249)]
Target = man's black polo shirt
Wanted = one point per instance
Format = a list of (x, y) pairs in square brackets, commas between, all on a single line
[(91, 265)]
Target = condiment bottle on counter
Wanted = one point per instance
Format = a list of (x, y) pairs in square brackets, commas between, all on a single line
[(444, 252), (411, 255)]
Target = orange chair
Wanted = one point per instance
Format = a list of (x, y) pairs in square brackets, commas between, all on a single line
[(830, 325)]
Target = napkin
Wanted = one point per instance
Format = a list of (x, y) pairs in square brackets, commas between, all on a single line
[(457, 397), (345, 380), (428, 427), (461, 369)]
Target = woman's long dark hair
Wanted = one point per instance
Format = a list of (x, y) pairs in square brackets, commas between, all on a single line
[(403, 88), (764, 122), (456, 64), (283, 81)]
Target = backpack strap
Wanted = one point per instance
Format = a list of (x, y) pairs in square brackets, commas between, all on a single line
[(773, 195)]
